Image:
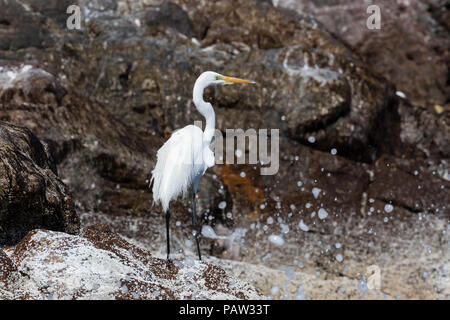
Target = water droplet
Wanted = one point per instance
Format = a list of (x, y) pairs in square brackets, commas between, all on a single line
[(222, 205), (323, 213), (315, 192), (303, 226), (277, 240)]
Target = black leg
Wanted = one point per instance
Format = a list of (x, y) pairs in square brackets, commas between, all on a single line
[(167, 234), (194, 222)]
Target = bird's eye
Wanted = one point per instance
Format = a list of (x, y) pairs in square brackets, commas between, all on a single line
[(217, 77)]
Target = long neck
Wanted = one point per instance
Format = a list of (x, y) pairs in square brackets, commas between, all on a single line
[(206, 109)]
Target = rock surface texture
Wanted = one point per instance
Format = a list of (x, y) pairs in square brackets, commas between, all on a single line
[(31, 194), (364, 126), (103, 265)]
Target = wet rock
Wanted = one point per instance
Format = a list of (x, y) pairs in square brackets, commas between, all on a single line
[(103, 265), (369, 221), (411, 49), (104, 99), (145, 78), (31, 194), (170, 15), (421, 191), (307, 180), (95, 152)]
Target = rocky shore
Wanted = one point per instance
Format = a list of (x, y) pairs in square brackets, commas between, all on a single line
[(364, 123)]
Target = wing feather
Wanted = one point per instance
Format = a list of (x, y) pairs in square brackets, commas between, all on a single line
[(179, 162)]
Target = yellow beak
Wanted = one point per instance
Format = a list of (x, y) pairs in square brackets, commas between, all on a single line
[(237, 80)]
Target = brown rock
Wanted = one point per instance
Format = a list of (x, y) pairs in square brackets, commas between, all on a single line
[(31, 194), (411, 49), (105, 98), (147, 82), (89, 145), (6, 266)]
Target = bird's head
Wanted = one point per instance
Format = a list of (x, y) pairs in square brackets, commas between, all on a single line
[(213, 78)]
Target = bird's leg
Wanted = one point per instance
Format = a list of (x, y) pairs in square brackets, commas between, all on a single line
[(167, 235), (194, 222)]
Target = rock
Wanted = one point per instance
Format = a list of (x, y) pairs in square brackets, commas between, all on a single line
[(170, 15), (411, 49), (21, 83), (147, 81), (31, 194), (296, 284), (421, 191), (358, 227), (19, 28), (106, 97), (103, 265), (413, 229), (423, 131), (6, 267), (95, 152)]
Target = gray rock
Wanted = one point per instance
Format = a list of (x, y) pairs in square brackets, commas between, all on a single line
[(103, 265)]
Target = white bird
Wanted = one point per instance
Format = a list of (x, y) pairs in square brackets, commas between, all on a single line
[(184, 158)]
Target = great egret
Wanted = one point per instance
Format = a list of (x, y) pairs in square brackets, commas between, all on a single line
[(184, 158)]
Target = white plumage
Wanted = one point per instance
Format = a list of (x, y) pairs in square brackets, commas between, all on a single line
[(180, 161), (184, 158)]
